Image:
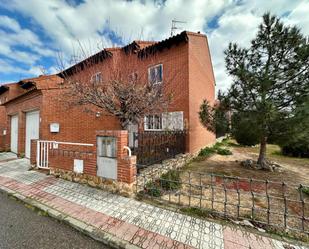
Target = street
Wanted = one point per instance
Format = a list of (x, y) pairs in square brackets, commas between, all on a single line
[(22, 228)]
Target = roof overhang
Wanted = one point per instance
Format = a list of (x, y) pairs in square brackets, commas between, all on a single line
[(3, 89), (92, 60), (26, 84), (160, 46)]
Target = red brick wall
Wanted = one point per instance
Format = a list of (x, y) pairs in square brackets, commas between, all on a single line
[(33, 151), (63, 157), (175, 73), (76, 124), (201, 86), (3, 126)]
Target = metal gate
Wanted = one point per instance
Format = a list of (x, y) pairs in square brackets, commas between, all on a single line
[(42, 153), (107, 157)]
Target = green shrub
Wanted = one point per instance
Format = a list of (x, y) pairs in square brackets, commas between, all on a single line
[(244, 130), (298, 148), (207, 151), (225, 152), (170, 180), (305, 190), (152, 189)]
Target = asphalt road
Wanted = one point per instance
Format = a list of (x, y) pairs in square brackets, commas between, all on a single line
[(22, 228)]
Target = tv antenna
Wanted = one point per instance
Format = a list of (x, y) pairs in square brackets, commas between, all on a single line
[(175, 27)]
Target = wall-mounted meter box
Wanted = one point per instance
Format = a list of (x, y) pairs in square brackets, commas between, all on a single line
[(54, 127)]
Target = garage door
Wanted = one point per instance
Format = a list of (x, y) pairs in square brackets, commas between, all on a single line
[(14, 133), (32, 130)]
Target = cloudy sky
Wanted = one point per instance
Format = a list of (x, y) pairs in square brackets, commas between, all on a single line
[(32, 32)]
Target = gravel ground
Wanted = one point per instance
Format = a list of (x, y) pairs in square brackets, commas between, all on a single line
[(22, 228)]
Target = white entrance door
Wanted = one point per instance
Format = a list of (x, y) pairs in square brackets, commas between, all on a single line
[(14, 133), (32, 130), (106, 157)]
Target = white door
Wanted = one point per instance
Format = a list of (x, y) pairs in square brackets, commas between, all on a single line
[(106, 157), (32, 130), (14, 133)]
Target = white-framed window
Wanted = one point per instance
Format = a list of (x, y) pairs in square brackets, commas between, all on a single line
[(155, 74), (153, 122), (96, 78)]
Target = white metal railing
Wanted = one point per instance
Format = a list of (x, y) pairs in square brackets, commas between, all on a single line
[(43, 147)]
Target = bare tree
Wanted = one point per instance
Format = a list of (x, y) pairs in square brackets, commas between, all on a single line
[(116, 82)]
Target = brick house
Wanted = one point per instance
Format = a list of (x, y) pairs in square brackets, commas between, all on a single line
[(33, 109), (34, 103), (181, 63)]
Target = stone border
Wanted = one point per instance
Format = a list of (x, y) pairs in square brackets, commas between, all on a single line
[(109, 185), (156, 170), (91, 231)]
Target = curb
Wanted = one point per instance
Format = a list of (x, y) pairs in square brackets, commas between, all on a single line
[(91, 231)]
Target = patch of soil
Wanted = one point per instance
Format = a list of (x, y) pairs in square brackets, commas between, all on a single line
[(230, 166)]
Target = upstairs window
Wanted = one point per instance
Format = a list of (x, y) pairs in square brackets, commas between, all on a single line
[(155, 74), (153, 122), (96, 78)]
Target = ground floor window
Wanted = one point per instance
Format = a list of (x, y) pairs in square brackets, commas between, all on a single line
[(153, 122), (164, 121)]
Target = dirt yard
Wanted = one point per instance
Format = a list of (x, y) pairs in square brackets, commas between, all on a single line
[(276, 203), (294, 170)]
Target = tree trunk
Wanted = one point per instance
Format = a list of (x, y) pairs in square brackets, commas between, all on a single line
[(262, 156)]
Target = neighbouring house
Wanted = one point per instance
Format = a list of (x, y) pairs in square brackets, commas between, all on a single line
[(34, 108), (7, 91)]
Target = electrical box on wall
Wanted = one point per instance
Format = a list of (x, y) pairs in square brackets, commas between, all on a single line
[(54, 127), (78, 166), (4, 132)]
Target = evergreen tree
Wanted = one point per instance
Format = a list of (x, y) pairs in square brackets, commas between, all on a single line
[(270, 78)]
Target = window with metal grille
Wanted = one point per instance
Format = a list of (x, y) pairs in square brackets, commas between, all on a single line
[(153, 122), (155, 74), (96, 78)]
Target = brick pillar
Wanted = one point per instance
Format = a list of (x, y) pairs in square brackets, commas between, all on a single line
[(33, 149), (127, 169), (126, 165)]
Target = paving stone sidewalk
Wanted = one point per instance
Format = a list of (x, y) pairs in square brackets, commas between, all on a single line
[(128, 222)]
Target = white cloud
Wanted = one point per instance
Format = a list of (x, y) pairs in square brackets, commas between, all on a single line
[(239, 23), (65, 23), (13, 35)]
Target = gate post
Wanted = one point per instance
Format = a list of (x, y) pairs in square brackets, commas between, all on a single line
[(33, 151), (126, 165)]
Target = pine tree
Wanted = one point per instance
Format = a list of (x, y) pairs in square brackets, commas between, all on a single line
[(270, 78)]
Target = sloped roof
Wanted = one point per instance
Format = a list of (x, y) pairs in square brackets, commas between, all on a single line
[(42, 82), (142, 48), (3, 88), (94, 59), (167, 43), (26, 86)]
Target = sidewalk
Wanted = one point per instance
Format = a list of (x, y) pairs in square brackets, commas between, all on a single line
[(121, 221)]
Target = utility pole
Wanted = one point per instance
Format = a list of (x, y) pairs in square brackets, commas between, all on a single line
[(175, 27)]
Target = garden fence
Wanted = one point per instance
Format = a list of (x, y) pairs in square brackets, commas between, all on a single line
[(265, 203)]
